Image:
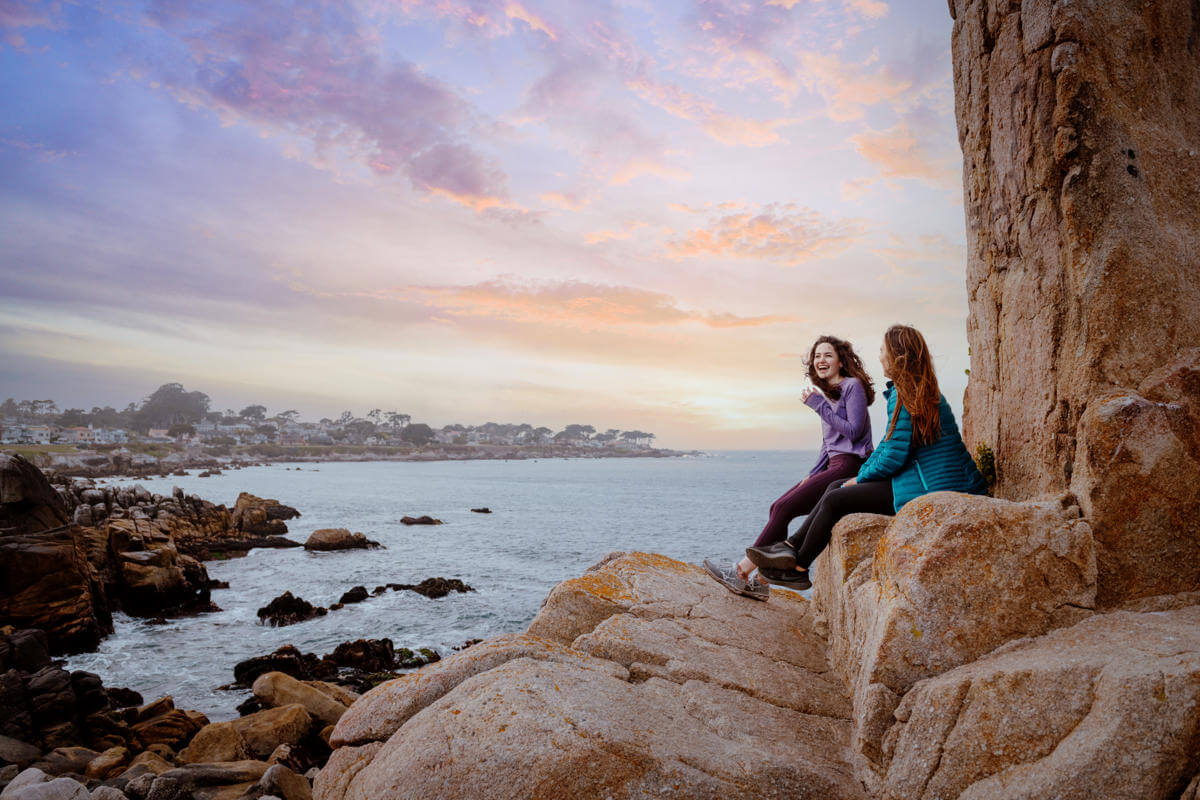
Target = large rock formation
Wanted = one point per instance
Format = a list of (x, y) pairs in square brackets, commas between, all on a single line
[(1077, 122), (681, 689), (938, 679)]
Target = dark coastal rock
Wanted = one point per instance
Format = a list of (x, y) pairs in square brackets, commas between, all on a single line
[(355, 595), (368, 655), (424, 519), (433, 587), (288, 660), (484, 510), (287, 609), (124, 698), (338, 539)]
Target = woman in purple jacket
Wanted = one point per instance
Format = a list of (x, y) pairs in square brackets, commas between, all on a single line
[(845, 392)]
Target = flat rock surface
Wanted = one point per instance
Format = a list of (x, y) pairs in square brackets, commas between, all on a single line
[(644, 677)]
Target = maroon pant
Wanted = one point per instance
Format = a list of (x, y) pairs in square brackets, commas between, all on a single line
[(802, 498)]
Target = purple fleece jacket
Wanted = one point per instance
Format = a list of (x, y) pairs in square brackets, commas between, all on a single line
[(845, 426)]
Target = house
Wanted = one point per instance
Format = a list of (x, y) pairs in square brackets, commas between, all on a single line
[(292, 439)]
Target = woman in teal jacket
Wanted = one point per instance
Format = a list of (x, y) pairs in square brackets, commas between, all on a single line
[(921, 452)]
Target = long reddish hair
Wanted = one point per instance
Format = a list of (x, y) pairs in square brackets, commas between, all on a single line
[(916, 383), (851, 367)]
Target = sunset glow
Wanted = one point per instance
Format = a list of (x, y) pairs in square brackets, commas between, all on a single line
[(628, 214)]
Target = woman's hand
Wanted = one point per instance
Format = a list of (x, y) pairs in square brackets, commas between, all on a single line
[(850, 482), (807, 393)]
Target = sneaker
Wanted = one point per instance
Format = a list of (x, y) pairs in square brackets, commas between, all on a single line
[(728, 577), (774, 556), (786, 577)]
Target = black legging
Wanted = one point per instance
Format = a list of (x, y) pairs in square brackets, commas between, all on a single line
[(872, 497)]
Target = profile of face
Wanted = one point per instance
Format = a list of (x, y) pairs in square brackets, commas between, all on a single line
[(885, 361), (827, 364)]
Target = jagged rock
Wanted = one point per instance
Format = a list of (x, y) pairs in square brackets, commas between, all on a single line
[(355, 595), (338, 539), (424, 519), (433, 587), (287, 659), (369, 655), (484, 510), (275, 689), (108, 793), (161, 723), (257, 516), (196, 776), (287, 609), (1082, 242), (1107, 708)]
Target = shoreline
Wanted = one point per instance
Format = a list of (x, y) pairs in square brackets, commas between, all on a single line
[(123, 463)]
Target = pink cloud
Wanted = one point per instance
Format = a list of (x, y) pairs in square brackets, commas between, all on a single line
[(868, 9), (576, 303), (899, 153), (726, 128), (785, 234), (319, 74), (849, 88)]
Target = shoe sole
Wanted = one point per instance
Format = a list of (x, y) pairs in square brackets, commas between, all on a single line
[(746, 591), (771, 561)]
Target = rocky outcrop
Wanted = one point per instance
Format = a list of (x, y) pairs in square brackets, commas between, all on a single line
[(338, 539), (288, 609), (1077, 124), (680, 688), (46, 580), (197, 527)]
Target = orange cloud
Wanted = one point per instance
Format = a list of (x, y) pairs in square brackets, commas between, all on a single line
[(575, 303), (785, 234), (477, 203), (869, 9), (724, 127), (640, 166), (626, 232), (517, 11), (850, 88), (899, 153), (567, 201)]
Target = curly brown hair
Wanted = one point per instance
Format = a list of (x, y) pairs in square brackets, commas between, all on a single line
[(916, 382), (851, 367)]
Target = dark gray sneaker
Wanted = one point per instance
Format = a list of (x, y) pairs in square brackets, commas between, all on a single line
[(728, 577), (774, 556), (789, 578)]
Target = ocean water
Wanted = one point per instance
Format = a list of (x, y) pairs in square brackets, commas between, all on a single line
[(552, 518)]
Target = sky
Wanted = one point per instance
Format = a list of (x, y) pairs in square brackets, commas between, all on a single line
[(623, 213)]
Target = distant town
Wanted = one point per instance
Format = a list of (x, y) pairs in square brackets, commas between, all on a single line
[(172, 415)]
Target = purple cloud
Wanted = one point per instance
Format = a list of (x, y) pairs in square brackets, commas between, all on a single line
[(312, 69)]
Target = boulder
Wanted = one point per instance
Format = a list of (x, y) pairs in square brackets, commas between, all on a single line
[(338, 539), (173, 728), (27, 777), (1107, 708), (281, 782), (1077, 126), (424, 519), (63, 760), (287, 659), (217, 741), (433, 587), (15, 751), (947, 580), (257, 516), (265, 730), (287, 609), (275, 689), (108, 763), (28, 503), (56, 789)]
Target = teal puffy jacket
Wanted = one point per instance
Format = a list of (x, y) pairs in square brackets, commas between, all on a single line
[(942, 465)]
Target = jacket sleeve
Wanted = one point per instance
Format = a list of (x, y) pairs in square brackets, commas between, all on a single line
[(856, 410), (891, 454)]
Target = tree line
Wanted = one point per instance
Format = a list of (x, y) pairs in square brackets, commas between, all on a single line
[(174, 408)]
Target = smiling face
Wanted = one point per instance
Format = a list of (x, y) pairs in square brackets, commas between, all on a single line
[(827, 364)]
